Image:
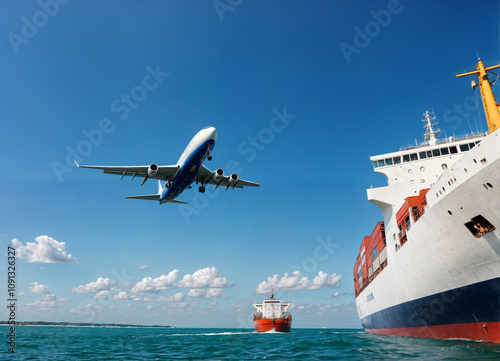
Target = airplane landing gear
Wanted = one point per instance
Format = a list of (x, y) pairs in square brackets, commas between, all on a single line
[(209, 157), (202, 189)]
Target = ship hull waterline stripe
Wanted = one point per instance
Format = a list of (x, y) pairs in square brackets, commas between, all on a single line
[(487, 331), (477, 304)]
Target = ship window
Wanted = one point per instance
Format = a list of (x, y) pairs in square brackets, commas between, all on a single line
[(406, 158), (414, 156), (381, 163), (479, 226), (422, 155), (429, 154), (464, 147), (472, 145), (435, 152), (375, 164), (444, 166), (388, 161), (444, 151), (396, 160), (408, 224), (453, 150), (374, 254)]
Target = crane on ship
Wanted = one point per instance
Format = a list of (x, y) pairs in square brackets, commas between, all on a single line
[(491, 106)]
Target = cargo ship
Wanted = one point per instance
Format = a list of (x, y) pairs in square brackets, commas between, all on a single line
[(431, 267), (272, 315)]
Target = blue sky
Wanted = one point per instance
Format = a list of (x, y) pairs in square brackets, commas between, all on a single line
[(301, 94)]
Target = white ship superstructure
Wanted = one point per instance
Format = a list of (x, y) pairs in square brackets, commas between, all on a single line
[(432, 267)]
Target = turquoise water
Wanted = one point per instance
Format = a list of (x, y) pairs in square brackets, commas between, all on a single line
[(84, 343)]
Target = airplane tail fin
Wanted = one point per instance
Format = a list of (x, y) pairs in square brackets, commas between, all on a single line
[(156, 197), (149, 197)]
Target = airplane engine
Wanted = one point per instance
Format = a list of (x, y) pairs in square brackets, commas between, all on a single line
[(218, 175), (152, 170), (233, 178)]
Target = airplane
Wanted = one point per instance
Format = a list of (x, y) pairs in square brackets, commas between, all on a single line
[(179, 177)]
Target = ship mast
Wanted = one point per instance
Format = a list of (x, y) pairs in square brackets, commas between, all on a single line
[(430, 133), (491, 106)]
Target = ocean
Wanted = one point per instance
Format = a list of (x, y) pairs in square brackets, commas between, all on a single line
[(104, 343)]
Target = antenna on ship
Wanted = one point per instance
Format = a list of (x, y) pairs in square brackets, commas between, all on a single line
[(491, 106), (430, 132)]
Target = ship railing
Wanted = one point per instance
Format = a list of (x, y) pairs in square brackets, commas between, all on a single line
[(472, 135)]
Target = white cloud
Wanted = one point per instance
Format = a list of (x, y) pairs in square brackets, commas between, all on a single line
[(36, 287), (172, 298), (102, 295), (296, 282), (49, 301), (99, 285), (154, 285), (329, 309), (91, 309), (203, 293), (43, 304), (142, 267), (122, 296), (44, 250), (207, 277)]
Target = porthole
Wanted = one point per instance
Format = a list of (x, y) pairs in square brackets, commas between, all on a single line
[(475, 161), (412, 181), (444, 189), (449, 212), (410, 171), (489, 185), (422, 169), (465, 169)]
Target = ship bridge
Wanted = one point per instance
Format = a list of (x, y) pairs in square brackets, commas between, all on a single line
[(418, 167)]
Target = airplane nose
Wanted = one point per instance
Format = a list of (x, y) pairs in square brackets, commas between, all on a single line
[(213, 133)]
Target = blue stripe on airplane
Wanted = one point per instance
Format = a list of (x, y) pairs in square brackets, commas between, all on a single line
[(187, 171)]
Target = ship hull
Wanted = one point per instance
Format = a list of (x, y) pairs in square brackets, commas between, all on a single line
[(444, 282), (470, 312), (277, 324)]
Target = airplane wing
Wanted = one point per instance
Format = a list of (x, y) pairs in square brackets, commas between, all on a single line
[(206, 176), (153, 171)]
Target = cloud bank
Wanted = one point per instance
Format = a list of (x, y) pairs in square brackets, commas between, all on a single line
[(45, 250), (295, 282)]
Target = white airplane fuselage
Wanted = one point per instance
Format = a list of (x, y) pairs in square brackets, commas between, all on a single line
[(189, 163), (175, 179)]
